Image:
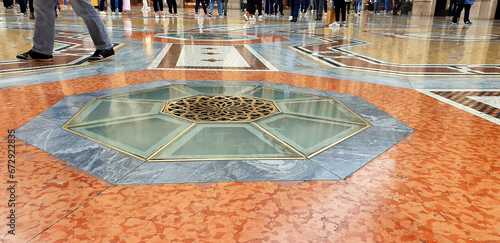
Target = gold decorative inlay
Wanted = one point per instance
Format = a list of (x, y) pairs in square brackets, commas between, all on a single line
[(210, 108)]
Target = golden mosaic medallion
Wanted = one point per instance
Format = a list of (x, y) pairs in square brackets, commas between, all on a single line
[(210, 108)]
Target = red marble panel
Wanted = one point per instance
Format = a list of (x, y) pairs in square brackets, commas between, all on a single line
[(47, 189)]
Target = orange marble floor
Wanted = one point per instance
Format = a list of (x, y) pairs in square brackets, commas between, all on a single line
[(440, 184)]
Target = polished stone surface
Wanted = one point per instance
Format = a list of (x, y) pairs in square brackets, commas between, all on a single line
[(438, 184)]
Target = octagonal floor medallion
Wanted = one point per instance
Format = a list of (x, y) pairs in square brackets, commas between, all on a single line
[(216, 122), (208, 131)]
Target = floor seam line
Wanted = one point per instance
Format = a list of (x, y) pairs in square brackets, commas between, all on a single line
[(65, 216)]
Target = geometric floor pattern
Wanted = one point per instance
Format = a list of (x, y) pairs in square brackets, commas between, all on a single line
[(426, 170), (338, 158)]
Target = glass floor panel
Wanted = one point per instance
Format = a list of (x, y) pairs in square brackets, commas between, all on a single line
[(324, 108), (157, 94), (219, 89), (225, 141), (107, 109), (240, 126), (140, 136), (308, 135), (278, 94)]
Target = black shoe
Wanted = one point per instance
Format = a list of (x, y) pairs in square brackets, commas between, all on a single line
[(318, 19), (293, 20), (101, 55), (36, 56), (468, 22)]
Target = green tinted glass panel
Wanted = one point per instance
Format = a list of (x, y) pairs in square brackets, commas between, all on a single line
[(278, 94), (324, 108), (108, 109), (225, 141), (206, 36), (219, 89), (308, 135), (156, 94), (140, 136)]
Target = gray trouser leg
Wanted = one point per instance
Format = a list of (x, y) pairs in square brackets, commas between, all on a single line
[(43, 39), (94, 23), (319, 8)]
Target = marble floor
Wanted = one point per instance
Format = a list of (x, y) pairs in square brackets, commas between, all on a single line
[(386, 130)]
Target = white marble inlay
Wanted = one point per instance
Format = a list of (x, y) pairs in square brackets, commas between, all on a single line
[(210, 56), (489, 100)]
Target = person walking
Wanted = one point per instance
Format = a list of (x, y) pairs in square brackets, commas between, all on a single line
[(339, 6), (320, 4), (114, 7), (43, 39), (358, 6), (172, 4), (197, 6), (158, 7), (294, 11), (224, 6), (452, 9), (212, 5), (463, 4)]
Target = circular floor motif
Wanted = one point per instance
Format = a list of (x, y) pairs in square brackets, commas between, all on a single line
[(216, 122), (209, 108)]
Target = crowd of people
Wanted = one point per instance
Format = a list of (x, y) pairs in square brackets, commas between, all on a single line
[(271, 7)]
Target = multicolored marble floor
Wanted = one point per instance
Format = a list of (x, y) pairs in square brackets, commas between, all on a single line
[(419, 161)]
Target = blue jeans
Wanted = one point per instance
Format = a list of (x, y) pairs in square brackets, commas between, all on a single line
[(43, 39), (295, 5), (358, 6), (376, 6), (219, 6)]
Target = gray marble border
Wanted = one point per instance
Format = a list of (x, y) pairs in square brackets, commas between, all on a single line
[(45, 132)]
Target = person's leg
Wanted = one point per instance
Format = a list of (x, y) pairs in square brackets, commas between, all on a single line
[(251, 7), (211, 8), (22, 6), (466, 14), (224, 6), (43, 39), (102, 3), (342, 11), (319, 11), (113, 5), (204, 6), (197, 6), (219, 7), (295, 10), (93, 21), (120, 6), (336, 7), (174, 5), (457, 13), (169, 4), (155, 5)]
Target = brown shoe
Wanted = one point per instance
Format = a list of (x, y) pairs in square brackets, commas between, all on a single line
[(32, 15)]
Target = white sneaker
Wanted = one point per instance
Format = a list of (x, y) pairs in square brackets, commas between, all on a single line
[(252, 18), (103, 13), (245, 16), (162, 15), (334, 24), (157, 15)]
